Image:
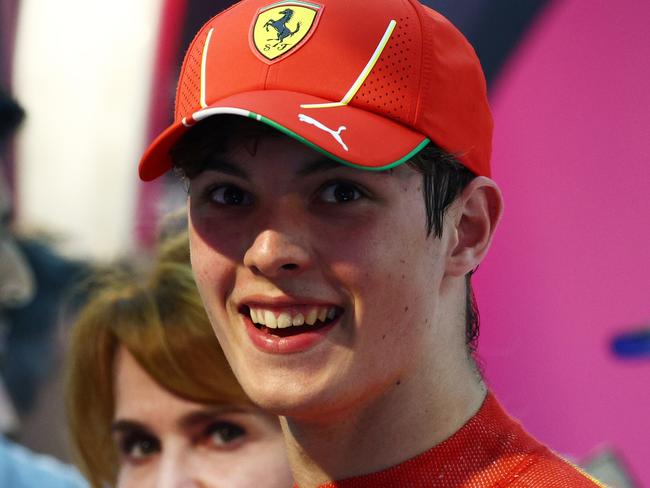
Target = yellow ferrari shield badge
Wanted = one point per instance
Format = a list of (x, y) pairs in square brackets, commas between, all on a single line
[(281, 27)]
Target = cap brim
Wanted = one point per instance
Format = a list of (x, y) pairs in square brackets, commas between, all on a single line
[(346, 134)]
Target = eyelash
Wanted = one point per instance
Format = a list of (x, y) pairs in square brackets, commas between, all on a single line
[(363, 193), (232, 432), (127, 445), (207, 195)]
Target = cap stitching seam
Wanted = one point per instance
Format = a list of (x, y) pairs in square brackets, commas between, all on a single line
[(422, 62)]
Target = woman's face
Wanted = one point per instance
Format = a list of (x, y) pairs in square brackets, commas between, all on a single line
[(164, 441)]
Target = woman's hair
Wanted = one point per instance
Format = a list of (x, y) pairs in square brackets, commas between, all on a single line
[(159, 318)]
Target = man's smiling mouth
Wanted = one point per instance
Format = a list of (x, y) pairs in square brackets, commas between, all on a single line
[(288, 322)]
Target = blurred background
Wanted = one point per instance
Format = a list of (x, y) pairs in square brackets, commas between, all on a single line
[(563, 295)]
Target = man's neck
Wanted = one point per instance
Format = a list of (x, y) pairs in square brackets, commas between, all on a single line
[(399, 425)]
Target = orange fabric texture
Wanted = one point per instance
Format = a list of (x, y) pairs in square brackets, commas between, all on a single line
[(490, 450)]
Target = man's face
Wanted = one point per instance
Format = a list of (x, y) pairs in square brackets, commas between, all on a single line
[(281, 235)]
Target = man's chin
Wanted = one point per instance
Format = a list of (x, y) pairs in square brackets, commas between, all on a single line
[(287, 400), (295, 400)]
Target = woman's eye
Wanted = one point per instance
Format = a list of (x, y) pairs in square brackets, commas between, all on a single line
[(137, 448), (224, 433), (340, 192), (230, 195)]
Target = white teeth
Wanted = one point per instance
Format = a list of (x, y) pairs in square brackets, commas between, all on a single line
[(270, 320), (298, 319), (287, 319), (322, 314), (284, 320), (311, 317)]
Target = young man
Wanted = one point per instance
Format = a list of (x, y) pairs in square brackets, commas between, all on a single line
[(309, 133)]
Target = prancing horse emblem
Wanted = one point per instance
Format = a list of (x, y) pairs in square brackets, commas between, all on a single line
[(282, 27)]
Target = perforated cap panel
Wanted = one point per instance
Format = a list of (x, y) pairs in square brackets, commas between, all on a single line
[(188, 96), (395, 76)]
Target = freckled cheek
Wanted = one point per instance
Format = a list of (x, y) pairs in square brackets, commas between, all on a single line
[(215, 238), (382, 281), (373, 286), (213, 270)]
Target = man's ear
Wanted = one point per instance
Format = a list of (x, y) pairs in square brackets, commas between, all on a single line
[(477, 212)]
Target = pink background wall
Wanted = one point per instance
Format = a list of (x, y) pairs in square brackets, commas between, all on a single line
[(570, 265)]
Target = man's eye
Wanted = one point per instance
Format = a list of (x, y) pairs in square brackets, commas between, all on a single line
[(340, 192), (137, 448), (230, 195), (222, 433)]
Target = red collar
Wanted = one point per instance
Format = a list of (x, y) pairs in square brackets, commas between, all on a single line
[(491, 449)]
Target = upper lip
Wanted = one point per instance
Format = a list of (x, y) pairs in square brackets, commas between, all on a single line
[(280, 302)]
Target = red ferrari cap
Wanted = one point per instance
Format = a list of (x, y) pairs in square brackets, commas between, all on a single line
[(367, 83)]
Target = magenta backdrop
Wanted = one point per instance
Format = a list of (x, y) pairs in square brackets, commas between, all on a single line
[(570, 265)]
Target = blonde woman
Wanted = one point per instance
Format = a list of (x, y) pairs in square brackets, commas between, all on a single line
[(151, 399)]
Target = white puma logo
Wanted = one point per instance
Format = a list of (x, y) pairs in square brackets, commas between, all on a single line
[(336, 134)]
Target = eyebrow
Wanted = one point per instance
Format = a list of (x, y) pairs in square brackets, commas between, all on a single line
[(318, 166), (326, 164), (227, 168), (207, 414), (127, 426), (192, 419), (222, 166)]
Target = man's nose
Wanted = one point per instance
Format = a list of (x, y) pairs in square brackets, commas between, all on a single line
[(275, 253)]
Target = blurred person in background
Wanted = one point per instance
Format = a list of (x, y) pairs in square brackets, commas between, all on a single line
[(19, 467), (34, 281), (17, 281), (147, 376), (16, 277)]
